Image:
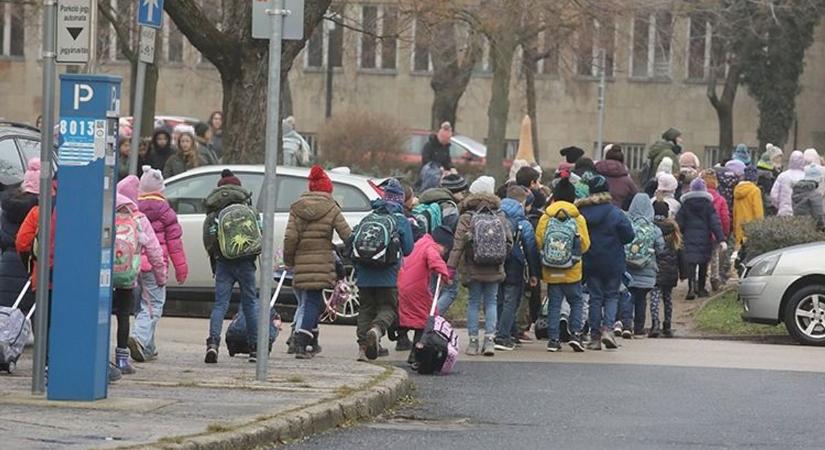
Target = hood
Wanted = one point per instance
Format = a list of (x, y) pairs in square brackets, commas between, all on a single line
[(389, 206), (513, 209), (129, 188), (745, 189), (611, 168), (312, 206), (435, 195), (124, 201), (567, 207), (595, 199), (157, 133), (596, 208), (476, 201), (811, 156), (641, 207), (797, 161), (658, 148), (695, 201)]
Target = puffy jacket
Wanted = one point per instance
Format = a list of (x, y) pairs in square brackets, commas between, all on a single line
[(782, 190), (622, 188), (387, 276), (414, 295), (437, 152), (168, 231), (747, 206), (13, 273), (766, 176), (25, 241), (673, 205), (609, 231), (461, 254), (700, 225), (661, 149), (807, 201), (308, 240), (176, 164), (668, 259), (525, 252), (722, 210), (727, 183), (642, 210), (149, 244), (573, 274)]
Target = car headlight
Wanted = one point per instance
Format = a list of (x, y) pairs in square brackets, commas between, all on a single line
[(764, 267)]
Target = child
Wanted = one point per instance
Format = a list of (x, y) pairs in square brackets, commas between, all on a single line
[(414, 297), (126, 205), (782, 190), (228, 271), (563, 283), (667, 277), (525, 255), (482, 278), (378, 277), (609, 231), (807, 200), (700, 225), (717, 273), (747, 205), (641, 262), (666, 191), (164, 221)]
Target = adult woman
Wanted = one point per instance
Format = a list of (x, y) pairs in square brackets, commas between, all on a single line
[(186, 158), (216, 128)]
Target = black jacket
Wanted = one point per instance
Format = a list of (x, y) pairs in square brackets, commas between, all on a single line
[(668, 260), (438, 152), (13, 273), (699, 224)]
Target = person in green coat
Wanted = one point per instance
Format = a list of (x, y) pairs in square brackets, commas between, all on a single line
[(670, 146)]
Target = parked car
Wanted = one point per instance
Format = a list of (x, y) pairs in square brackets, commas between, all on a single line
[(787, 286), (186, 193), (18, 144), (463, 150)]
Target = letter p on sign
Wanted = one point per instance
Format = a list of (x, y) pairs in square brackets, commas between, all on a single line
[(82, 93)]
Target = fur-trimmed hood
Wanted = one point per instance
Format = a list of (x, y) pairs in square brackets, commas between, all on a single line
[(594, 199), (477, 201)]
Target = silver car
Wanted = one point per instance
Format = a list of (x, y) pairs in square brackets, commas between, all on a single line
[(187, 191), (788, 286)]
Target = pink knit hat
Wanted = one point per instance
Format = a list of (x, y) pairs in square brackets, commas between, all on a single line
[(31, 179)]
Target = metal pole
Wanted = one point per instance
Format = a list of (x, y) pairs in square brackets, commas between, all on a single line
[(41, 318), (137, 116), (273, 124), (602, 88), (328, 93)]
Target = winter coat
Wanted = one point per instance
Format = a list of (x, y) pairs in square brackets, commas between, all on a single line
[(673, 205), (461, 254), (177, 164), (414, 295), (782, 190), (24, 242), (722, 210), (16, 205), (700, 225), (622, 188), (727, 181), (661, 149), (149, 245), (436, 151), (765, 178), (157, 155), (667, 260), (747, 206), (387, 276), (641, 210), (308, 240), (448, 203), (216, 201), (807, 201), (609, 231), (525, 252), (573, 274), (164, 222)]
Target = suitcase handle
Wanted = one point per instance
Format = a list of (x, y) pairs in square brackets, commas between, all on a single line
[(436, 295), (22, 294), (277, 290)]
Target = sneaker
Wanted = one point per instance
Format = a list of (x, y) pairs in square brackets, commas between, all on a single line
[(136, 350), (362, 354), (211, 355), (472, 347), (383, 352), (114, 373), (122, 361), (654, 331), (564, 330), (373, 335), (576, 343), (617, 329), (489, 346), (504, 345), (253, 357), (553, 346), (595, 345), (609, 341), (627, 334)]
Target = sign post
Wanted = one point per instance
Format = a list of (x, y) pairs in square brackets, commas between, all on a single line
[(150, 15), (74, 30), (84, 232)]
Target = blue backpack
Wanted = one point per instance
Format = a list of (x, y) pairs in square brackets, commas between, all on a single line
[(428, 216), (562, 247)]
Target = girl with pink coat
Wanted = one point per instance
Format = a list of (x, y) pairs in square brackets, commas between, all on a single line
[(414, 295), (165, 224)]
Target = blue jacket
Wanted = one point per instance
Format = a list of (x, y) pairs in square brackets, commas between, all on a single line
[(641, 209), (609, 231), (525, 250), (387, 276)]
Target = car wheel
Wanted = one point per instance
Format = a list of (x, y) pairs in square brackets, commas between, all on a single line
[(804, 315)]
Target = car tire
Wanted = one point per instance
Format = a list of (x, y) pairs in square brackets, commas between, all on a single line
[(801, 310)]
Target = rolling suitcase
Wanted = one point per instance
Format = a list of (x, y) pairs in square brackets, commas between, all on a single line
[(236, 342), (437, 350), (15, 331)]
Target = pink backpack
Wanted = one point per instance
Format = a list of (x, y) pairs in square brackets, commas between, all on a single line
[(126, 261)]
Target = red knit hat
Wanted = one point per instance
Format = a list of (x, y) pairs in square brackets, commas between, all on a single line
[(227, 177), (319, 181)]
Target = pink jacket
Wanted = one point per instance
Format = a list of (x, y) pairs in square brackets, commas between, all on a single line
[(127, 190), (168, 231), (414, 295), (721, 207)]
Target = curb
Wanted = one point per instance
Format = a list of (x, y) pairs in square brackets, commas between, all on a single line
[(366, 403)]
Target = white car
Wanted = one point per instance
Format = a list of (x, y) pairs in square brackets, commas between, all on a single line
[(187, 191)]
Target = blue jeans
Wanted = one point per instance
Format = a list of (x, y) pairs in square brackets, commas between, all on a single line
[(604, 295), (485, 294), (313, 306), (149, 311), (556, 294), (626, 308), (509, 300), (447, 295), (227, 273)]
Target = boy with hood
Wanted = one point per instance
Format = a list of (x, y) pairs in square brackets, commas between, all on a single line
[(768, 169), (525, 254), (308, 253), (482, 280), (806, 198), (227, 272), (622, 187), (643, 274), (564, 283), (377, 285), (609, 230), (160, 149), (700, 225), (782, 190)]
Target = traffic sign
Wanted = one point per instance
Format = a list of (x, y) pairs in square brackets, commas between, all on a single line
[(74, 22), (293, 29), (150, 13), (147, 45)]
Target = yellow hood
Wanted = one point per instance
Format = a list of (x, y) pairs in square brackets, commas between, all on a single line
[(746, 189), (568, 207)]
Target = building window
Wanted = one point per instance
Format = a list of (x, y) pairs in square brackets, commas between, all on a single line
[(483, 64), (712, 156), (12, 32), (369, 23), (389, 41), (549, 65), (421, 51), (652, 36), (635, 155), (174, 41), (378, 42), (594, 37), (706, 51), (325, 43), (315, 49)]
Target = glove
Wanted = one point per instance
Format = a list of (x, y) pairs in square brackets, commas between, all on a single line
[(451, 271), (723, 246)]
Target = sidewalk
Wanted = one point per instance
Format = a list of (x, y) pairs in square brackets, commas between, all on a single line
[(179, 402)]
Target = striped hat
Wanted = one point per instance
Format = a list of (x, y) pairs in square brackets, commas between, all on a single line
[(454, 183)]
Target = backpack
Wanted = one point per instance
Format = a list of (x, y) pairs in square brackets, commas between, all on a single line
[(428, 216), (640, 252), (562, 247), (376, 241), (646, 173), (126, 261), (489, 238), (239, 235)]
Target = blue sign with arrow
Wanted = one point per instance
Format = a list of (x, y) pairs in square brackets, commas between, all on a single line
[(150, 13)]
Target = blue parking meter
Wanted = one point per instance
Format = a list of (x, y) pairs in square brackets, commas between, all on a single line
[(84, 209)]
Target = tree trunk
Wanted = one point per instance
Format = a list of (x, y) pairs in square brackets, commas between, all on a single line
[(724, 106), (244, 109), (451, 74), (530, 65), (502, 51)]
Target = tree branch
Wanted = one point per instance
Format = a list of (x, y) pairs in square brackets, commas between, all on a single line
[(214, 45), (121, 30)]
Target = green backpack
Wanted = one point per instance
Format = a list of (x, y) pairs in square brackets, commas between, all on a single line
[(640, 252), (239, 234)]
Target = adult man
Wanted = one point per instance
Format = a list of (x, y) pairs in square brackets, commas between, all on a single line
[(437, 148)]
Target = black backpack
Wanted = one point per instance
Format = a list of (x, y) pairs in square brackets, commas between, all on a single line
[(376, 242)]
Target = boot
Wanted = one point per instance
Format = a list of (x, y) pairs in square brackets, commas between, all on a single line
[(654, 330), (316, 347), (666, 330), (691, 289), (253, 353), (303, 345), (211, 352), (489, 345), (472, 347), (403, 344), (290, 343), (122, 361), (114, 373)]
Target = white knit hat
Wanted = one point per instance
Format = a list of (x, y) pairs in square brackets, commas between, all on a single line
[(667, 182), (483, 185)]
